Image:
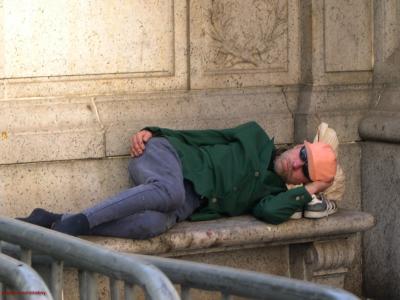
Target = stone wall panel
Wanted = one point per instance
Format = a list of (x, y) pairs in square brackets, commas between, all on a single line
[(95, 45), (88, 38), (45, 130), (237, 44), (333, 64), (348, 35), (123, 116), (69, 186), (342, 107)]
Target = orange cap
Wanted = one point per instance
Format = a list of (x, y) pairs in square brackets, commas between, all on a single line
[(321, 161)]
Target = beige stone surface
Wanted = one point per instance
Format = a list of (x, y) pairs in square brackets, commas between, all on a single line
[(350, 159), (331, 64), (2, 88), (354, 278), (91, 37), (68, 186), (239, 44), (79, 48), (271, 260), (45, 130), (348, 35), (122, 116), (342, 107)]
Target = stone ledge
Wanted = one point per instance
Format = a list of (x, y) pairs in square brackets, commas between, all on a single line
[(241, 232)]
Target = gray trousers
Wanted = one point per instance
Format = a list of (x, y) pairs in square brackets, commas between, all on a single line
[(159, 199)]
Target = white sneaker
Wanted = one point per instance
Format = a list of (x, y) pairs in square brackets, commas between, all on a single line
[(319, 208), (298, 214)]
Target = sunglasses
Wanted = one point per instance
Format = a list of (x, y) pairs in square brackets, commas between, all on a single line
[(303, 157)]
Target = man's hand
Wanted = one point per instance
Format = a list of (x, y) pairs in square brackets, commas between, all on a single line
[(316, 187), (137, 142)]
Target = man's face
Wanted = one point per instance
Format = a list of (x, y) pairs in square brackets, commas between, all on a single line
[(289, 166)]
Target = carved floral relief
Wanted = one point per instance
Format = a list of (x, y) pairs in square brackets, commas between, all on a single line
[(249, 34)]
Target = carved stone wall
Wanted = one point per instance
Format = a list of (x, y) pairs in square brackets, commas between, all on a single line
[(77, 78)]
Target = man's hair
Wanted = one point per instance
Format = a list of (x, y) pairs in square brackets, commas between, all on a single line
[(282, 148)]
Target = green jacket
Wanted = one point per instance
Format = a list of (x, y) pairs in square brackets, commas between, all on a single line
[(233, 169)]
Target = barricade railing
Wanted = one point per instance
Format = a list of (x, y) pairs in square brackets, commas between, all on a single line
[(55, 250), (21, 281), (88, 258)]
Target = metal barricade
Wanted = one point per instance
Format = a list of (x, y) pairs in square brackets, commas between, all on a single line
[(21, 280), (88, 258), (145, 270)]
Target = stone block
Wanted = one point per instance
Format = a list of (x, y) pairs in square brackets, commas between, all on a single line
[(334, 23), (354, 278), (45, 130), (342, 107), (386, 41), (2, 89), (60, 186), (85, 29), (348, 35), (93, 45), (350, 160), (122, 116), (239, 44), (381, 197)]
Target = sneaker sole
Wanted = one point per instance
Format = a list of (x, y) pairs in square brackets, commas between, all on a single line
[(296, 215), (318, 214)]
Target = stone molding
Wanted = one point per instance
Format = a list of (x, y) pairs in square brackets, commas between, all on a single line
[(325, 262), (330, 255)]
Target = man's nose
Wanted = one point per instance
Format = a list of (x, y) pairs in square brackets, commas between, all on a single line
[(297, 164)]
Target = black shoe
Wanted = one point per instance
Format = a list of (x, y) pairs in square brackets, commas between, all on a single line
[(74, 225), (41, 217)]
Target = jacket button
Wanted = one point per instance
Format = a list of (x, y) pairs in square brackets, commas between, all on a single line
[(214, 200), (257, 174), (297, 198)]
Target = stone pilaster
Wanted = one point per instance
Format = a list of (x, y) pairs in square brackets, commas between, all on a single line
[(380, 167)]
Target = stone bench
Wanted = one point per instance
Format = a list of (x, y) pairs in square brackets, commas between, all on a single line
[(320, 250)]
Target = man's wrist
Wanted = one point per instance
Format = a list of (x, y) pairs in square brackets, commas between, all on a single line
[(311, 189)]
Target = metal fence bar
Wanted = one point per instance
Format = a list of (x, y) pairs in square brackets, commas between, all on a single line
[(21, 277), (129, 291), (56, 280), (86, 255), (243, 283), (185, 292), (226, 296), (87, 285), (82, 285), (92, 286), (114, 289)]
